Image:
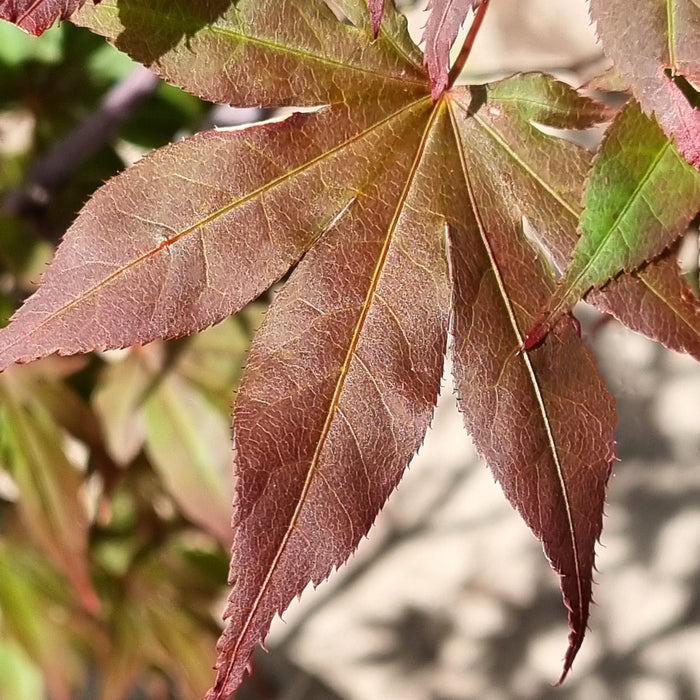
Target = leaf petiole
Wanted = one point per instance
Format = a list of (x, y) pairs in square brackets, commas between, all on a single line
[(466, 49)]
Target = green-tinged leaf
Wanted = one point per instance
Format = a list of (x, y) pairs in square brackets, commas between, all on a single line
[(210, 362), (50, 504), (213, 360), (188, 441), (24, 611), (640, 196), (302, 54), (656, 48), (117, 402), (20, 678), (16, 48)]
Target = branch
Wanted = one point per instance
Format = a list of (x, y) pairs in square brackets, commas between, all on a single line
[(51, 171)]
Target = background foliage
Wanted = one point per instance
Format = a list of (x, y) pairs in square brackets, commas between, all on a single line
[(114, 468)]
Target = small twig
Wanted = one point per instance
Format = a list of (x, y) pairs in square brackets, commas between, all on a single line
[(466, 49), (52, 170)]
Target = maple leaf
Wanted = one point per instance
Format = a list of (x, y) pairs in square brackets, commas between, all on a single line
[(640, 196), (360, 197), (376, 12), (668, 34), (445, 19), (36, 16)]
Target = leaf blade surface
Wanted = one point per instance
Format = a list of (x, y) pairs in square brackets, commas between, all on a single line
[(345, 379), (302, 54), (552, 471), (640, 196), (165, 271), (649, 46)]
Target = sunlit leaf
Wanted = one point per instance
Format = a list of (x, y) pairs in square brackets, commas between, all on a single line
[(36, 16), (657, 50), (640, 196)]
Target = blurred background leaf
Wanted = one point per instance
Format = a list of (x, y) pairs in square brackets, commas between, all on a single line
[(115, 468)]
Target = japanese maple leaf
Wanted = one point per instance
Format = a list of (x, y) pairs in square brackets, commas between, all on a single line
[(656, 47), (36, 16), (401, 218), (640, 196)]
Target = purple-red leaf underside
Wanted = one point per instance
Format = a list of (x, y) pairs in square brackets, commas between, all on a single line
[(376, 12), (552, 469), (360, 197), (36, 16), (157, 245), (343, 375), (648, 46), (657, 302), (445, 19)]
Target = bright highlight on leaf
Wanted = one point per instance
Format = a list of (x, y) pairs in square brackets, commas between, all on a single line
[(407, 220)]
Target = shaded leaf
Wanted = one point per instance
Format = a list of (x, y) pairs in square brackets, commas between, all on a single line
[(302, 54), (50, 504), (444, 22), (650, 47), (640, 196), (36, 16)]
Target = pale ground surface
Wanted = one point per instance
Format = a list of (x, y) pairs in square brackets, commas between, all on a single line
[(451, 597)]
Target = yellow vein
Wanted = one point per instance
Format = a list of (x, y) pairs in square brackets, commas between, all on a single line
[(335, 400), (221, 212), (498, 138), (526, 359), (671, 21), (599, 250)]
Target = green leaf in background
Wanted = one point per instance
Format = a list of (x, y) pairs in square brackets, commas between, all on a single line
[(188, 442), (640, 197), (177, 406), (50, 505), (117, 401), (20, 678), (25, 619)]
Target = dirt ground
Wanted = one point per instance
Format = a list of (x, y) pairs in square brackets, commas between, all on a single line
[(450, 598)]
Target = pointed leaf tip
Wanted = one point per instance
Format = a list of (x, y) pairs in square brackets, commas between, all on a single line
[(376, 12), (441, 30)]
